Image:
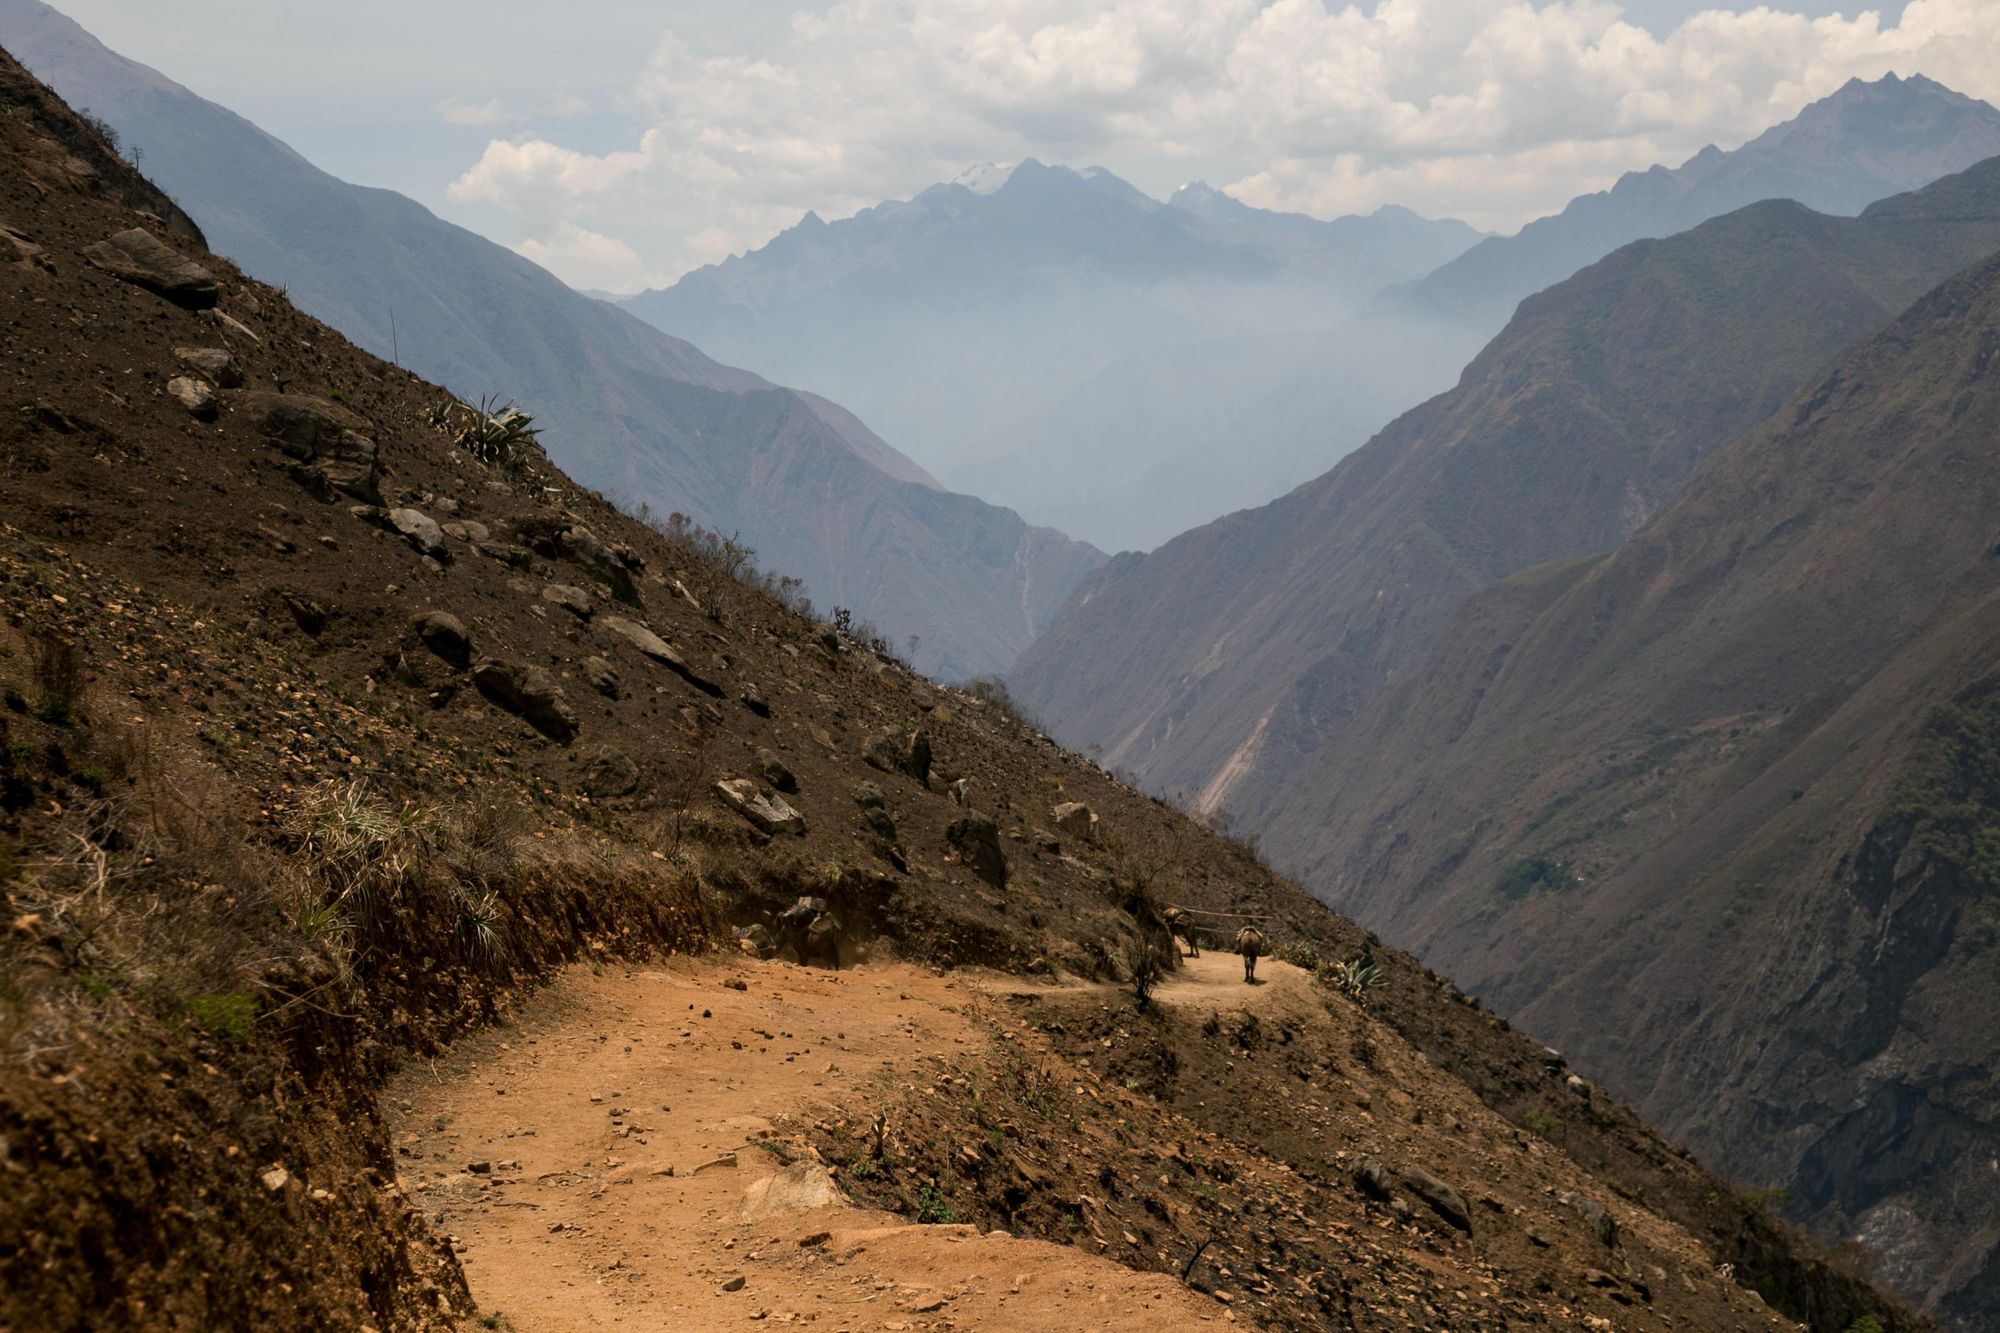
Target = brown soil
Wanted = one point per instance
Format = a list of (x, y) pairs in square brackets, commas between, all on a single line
[(618, 1127), (246, 646), (1218, 1133)]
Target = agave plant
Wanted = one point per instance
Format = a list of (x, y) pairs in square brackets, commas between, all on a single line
[(1355, 978), (496, 433), (479, 925)]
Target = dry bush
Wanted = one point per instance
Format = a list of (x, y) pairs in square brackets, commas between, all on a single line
[(715, 567), (688, 775), (58, 680), (993, 692), (151, 903)]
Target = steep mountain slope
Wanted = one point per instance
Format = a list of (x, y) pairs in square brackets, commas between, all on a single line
[(327, 737), (1215, 665), (1861, 143), (1742, 773), (974, 321), (628, 410)]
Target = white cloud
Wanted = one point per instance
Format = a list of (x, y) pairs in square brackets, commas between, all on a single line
[(585, 259), (458, 111), (493, 112), (1491, 111)]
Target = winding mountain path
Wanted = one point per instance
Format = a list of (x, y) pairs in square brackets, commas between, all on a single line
[(608, 1161)]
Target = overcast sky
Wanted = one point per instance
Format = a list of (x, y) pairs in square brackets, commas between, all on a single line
[(621, 143)]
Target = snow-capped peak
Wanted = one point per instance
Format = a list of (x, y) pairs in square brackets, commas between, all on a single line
[(984, 178)]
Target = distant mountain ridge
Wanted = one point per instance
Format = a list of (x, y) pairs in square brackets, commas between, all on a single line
[(1861, 143), (630, 411), (1217, 665), (1865, 142), (970, 322)]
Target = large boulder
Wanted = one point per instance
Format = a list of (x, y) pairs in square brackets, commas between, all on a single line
[(895, 750), (468, 530), (768, 812), (531, 694), (1373, 1179), (795, 1188), (977, 840), (603, 677), (444, 634), (1594, 1216), (602, 560), (609, 773), (327, 443), (213, 364), (194, 395), (774, 771), (1445, 1201), (571, 599), (28, 257), (657, 648), (139, 257), (1074, 819), (422, 532)]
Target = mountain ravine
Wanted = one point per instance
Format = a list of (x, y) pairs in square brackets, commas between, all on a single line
[(1213, 666)]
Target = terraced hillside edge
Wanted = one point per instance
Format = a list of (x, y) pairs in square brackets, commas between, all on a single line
[(336, 721)]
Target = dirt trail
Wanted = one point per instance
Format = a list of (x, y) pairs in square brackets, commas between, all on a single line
[(1212, 981), (606, 1162)]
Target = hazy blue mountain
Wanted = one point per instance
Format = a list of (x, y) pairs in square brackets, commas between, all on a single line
[(1223, 664), (1046, 333), (1862, 143), (629, 410)]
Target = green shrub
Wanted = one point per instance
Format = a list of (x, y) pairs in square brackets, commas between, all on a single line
[(1767, 1201), (1531, 875), (226, 1016), (1541, 1122), (932, 1206)]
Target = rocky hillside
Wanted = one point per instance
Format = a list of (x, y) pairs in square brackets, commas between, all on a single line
[(1217, 665), (1862, 143), (336, 720), (1733, 783), (1055, 339), (631, 412)]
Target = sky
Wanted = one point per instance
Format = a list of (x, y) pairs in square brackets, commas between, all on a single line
[(622, 143)]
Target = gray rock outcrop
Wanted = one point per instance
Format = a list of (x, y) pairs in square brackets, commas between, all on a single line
[(327, 444), (141, 258), (531, 694)]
